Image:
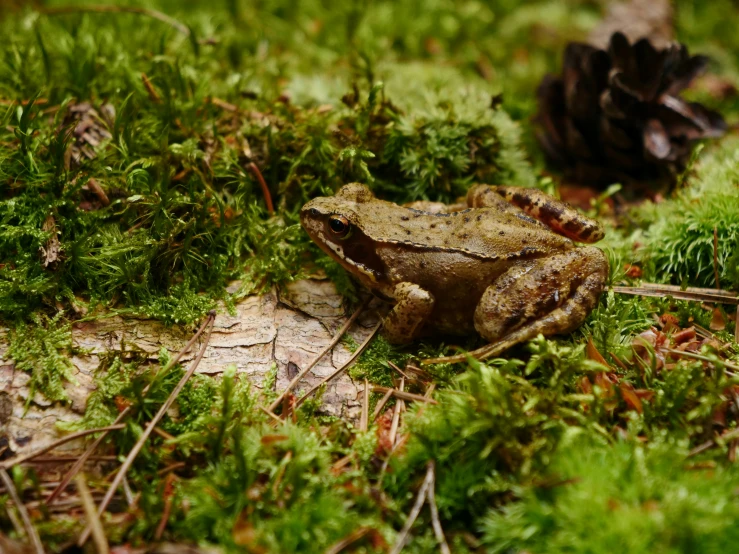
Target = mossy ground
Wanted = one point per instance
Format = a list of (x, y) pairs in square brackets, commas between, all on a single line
[(155, 208)]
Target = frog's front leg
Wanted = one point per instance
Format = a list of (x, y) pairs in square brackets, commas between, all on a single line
[(551, 296), (413, 307), (559, 216)]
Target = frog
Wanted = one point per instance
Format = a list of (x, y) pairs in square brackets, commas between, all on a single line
[(505, 263)]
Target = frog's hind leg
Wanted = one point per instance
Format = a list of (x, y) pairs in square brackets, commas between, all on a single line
[(553, 297), (559, 216)]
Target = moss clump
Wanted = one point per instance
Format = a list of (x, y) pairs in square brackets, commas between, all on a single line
[(43, 348)]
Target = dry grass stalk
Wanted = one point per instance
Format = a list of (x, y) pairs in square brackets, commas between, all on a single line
[(422, 495), (404, 395), (364, 419), (691, 293), (263, 185), (693, 356), (435, 522), (396, 368), (343, 367), (31, 532), (352, 537), (321, 354), (22, 459), (151, 91), (150, 428), (396, 415), (381, 404), (93, 520)]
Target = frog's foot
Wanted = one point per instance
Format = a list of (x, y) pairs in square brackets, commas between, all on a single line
[(553, 297), (413, 308), (559, 216)]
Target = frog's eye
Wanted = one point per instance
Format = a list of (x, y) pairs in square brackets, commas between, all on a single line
[(339, 225)]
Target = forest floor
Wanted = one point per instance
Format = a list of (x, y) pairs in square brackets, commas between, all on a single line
[(149, 161)]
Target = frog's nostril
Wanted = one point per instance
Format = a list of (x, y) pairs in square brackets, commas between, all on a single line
[(313, 212)]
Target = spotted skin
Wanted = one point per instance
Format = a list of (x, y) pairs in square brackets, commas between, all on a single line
[(555, 214)]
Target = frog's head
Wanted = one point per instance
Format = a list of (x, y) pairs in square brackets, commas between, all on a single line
[(337, 224)]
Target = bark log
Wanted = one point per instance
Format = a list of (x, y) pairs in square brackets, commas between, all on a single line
[(286, 327)]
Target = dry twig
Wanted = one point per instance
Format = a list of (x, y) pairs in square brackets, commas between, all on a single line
[(343, 367), (396, 415), (30, 529), (422, 495), (150, 428), (263, 185), (16, 461), (93, 519), (337, 337), (352, 537), (431, 495), (691, 293), (364, 419), (381, 404), (404, 395)]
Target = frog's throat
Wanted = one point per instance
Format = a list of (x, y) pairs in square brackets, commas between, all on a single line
[(336, 251)]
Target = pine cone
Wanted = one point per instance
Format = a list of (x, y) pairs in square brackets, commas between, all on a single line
[(615, 116)]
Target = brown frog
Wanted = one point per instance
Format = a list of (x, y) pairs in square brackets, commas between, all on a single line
[(506, 266)]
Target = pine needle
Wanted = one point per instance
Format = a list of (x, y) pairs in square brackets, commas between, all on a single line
[(149, 429), (27, 524), (337, 337)]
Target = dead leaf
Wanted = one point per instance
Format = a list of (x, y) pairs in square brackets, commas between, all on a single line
[(630, 397), (592, 353)]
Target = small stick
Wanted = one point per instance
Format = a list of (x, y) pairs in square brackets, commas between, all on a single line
[(396, 415), (164, 18), (14, 462), (263, 185), (396, 368), (422, 493), (30, 529), (223, 104), (691, 293), (127, 492), (77, 466), (153, 94), (93, 520), (150, 428), (322, 353), (344, 366), (168, 496), (364, 420), (270, 414), (404, 395), (352, 537), (736, 325), (381, 404), (431, 495), (701, 358), (710, 444)]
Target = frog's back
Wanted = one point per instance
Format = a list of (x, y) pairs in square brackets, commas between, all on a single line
[(485, 233)]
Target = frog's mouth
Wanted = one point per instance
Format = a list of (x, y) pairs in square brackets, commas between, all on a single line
[(355, 253)]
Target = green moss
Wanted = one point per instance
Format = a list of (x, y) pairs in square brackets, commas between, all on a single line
[(42, 348), (627, 497)]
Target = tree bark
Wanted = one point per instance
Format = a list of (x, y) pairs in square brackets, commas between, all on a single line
[(286, 327)]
